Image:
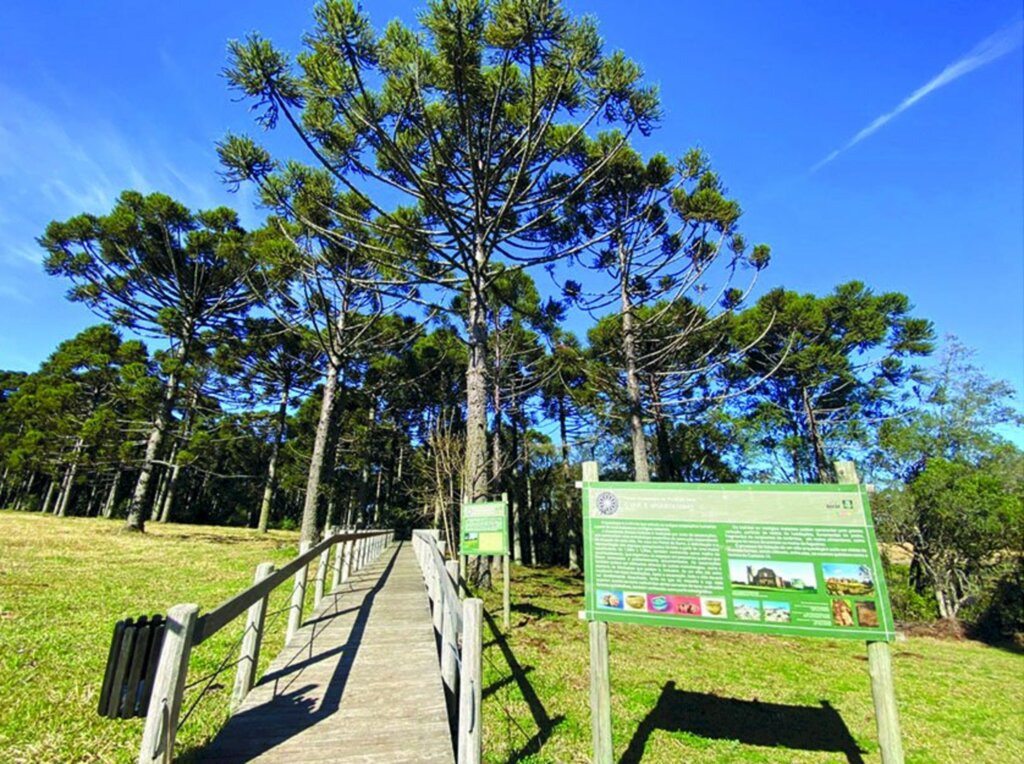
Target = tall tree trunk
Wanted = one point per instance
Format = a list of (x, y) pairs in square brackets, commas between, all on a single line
[(69, 480), (139, 508), (475, 476), (51, 493), (641, 471), (275, 448), (316, 462), (568, 488), (167, 500), (115, 484), (92, 506), (27, 490), (667, 471), (821, 463)]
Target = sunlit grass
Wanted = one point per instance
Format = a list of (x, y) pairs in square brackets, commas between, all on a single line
[(63, 585), (677, 695), (680, 695)]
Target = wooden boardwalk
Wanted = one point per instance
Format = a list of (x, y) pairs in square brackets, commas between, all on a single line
[(359, 682)]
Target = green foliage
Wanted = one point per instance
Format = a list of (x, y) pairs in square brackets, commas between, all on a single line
[(822, 369)]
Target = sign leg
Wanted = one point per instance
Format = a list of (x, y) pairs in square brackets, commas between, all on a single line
[(506, 594), (883, 694), (600, 693)]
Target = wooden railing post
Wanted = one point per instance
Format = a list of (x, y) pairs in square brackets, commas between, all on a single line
[(450, 636), (168, 686), (438, 595), (321, 577), (249, 657), (346, 568), (470, 737), (336, 570), (298, 596)]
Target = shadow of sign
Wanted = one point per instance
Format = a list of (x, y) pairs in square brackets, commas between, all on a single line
[(750, 722)]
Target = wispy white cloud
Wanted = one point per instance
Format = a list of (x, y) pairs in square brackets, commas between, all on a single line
[(988, 50), (58, 159)]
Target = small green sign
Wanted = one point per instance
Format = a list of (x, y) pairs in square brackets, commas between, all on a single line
[(770, 559), (484, 528)]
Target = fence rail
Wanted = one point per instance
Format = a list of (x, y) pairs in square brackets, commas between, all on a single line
[(459, 628), (185, 628)]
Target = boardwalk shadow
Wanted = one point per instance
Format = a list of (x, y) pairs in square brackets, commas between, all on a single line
[(804, 728), (545, 723), (291, 711)]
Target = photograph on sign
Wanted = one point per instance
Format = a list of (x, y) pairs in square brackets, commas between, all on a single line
[(797, 560)]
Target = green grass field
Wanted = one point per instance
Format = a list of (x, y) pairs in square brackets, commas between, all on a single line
[(690, 696), (677, 695), (63, 585)]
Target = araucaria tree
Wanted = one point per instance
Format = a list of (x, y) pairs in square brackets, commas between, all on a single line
[(475, 124), (155, 267), (827, 369), (670, 231)]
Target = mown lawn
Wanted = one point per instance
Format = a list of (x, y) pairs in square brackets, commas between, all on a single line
[(677, 695), (688, 696), (63, 585)]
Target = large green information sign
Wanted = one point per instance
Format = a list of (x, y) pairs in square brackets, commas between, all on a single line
[(484, 529), (797, 560)]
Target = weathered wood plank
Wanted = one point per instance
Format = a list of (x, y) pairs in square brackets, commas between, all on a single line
[(337, 692)]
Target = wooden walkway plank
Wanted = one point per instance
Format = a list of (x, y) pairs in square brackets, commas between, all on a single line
[(359, 683)]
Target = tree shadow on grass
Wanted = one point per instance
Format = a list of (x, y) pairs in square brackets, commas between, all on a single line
[(750, 722), (545, 723)]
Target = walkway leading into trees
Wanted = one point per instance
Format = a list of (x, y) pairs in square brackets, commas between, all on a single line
[(358, 683)]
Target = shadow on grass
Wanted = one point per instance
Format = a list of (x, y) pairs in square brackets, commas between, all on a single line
[(769, 724), (534, 610), (545, 723), (292, 709)]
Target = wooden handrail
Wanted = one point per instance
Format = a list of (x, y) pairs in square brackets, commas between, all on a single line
[(210, 623), (458, 623), (185, 629)]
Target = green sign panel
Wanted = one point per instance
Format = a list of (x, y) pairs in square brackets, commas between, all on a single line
[(484, 528), (795, 560)]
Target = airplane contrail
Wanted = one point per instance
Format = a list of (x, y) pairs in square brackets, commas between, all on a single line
[(985, 52)]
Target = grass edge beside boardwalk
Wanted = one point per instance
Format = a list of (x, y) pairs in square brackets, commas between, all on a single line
[(699, 696), (64, 582)]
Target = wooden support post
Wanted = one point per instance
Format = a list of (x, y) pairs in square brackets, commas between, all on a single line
[(600, 675), (506, 594), (883, 689), (321, 577), (168, 687), (436, 595), (346, 568), (252, 638), (462, 575), (470, 737), (600, 693), (298, 597), (449, 635), (336, 569)]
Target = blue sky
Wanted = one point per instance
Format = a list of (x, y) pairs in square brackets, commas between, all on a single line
[(101, 96)]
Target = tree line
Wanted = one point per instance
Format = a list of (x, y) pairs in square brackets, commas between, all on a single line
[(395, 338)]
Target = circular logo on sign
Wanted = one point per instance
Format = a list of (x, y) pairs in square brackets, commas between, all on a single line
[(607, 503)]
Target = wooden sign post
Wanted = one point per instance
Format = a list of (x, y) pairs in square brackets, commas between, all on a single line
[(483, 532), (782, 560), (600, 675), (883, 690)]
